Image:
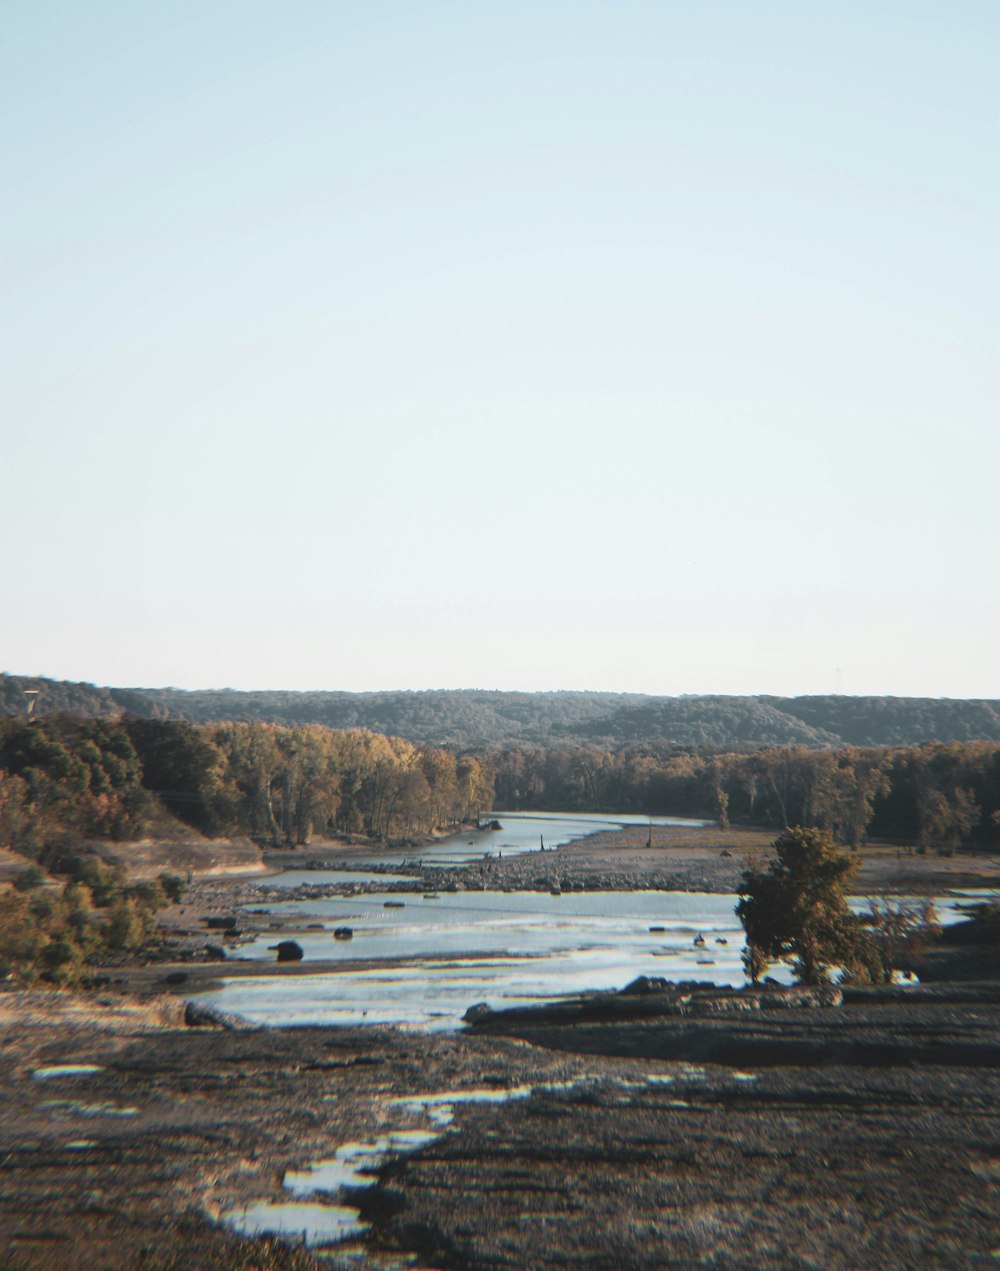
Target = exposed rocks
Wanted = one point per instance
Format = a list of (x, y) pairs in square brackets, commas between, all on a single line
[(478, 1013), (199, 1015)]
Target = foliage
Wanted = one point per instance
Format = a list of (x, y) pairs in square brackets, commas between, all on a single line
[(173, 886), (82, 775), (796, 908), (64, 781), (51, 935), (186, 773), (45, 936), (129, 925), (106, 883), (895, 931), (29, 878)]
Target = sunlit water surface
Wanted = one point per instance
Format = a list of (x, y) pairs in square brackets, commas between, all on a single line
[(427, 959)]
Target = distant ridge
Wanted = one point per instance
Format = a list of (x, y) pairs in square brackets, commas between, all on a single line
[(480, 718)]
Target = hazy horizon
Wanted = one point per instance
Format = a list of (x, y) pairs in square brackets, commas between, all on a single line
[(649, 347)]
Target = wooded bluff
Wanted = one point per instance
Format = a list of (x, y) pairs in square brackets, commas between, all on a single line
[(470, 718)]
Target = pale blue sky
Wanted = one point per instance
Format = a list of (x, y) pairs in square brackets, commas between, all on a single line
[(633, 345)]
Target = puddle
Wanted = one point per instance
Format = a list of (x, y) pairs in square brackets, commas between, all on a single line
[(354, 1164), (66, 1070), (316, 1223), (313, 1224), (89, 1109), (440, 1108)]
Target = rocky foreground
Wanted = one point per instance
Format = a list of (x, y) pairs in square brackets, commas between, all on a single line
[(656, 1128)]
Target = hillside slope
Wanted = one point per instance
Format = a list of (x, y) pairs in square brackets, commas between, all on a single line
[(478, 718)]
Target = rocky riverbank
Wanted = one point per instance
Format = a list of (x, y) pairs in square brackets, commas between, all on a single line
[(854, 1130)]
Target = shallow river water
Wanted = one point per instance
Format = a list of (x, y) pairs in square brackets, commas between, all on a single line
[(422, 961)]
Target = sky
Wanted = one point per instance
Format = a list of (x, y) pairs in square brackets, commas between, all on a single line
[(643, 346)]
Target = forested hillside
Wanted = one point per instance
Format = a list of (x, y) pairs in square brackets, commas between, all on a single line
[(466, 718)]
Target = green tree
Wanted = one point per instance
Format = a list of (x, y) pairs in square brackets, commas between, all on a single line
[(945, 821), (129, 925), (796, 908)]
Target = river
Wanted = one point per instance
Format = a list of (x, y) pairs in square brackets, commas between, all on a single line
[(421, 960)]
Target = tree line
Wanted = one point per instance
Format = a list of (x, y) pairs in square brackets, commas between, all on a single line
[(64, 779), (933, 795)]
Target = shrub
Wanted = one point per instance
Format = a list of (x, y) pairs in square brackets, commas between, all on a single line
[(796, 909), (173, 886), (29, 878), (128, 925)]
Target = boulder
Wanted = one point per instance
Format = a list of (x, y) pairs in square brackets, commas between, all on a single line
[(287, 950), (343, 933), (197, 1015), (644, 984)]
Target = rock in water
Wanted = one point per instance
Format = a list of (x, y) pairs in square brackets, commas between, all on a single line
[(476, 1014), (287, 950), (644, 984)]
